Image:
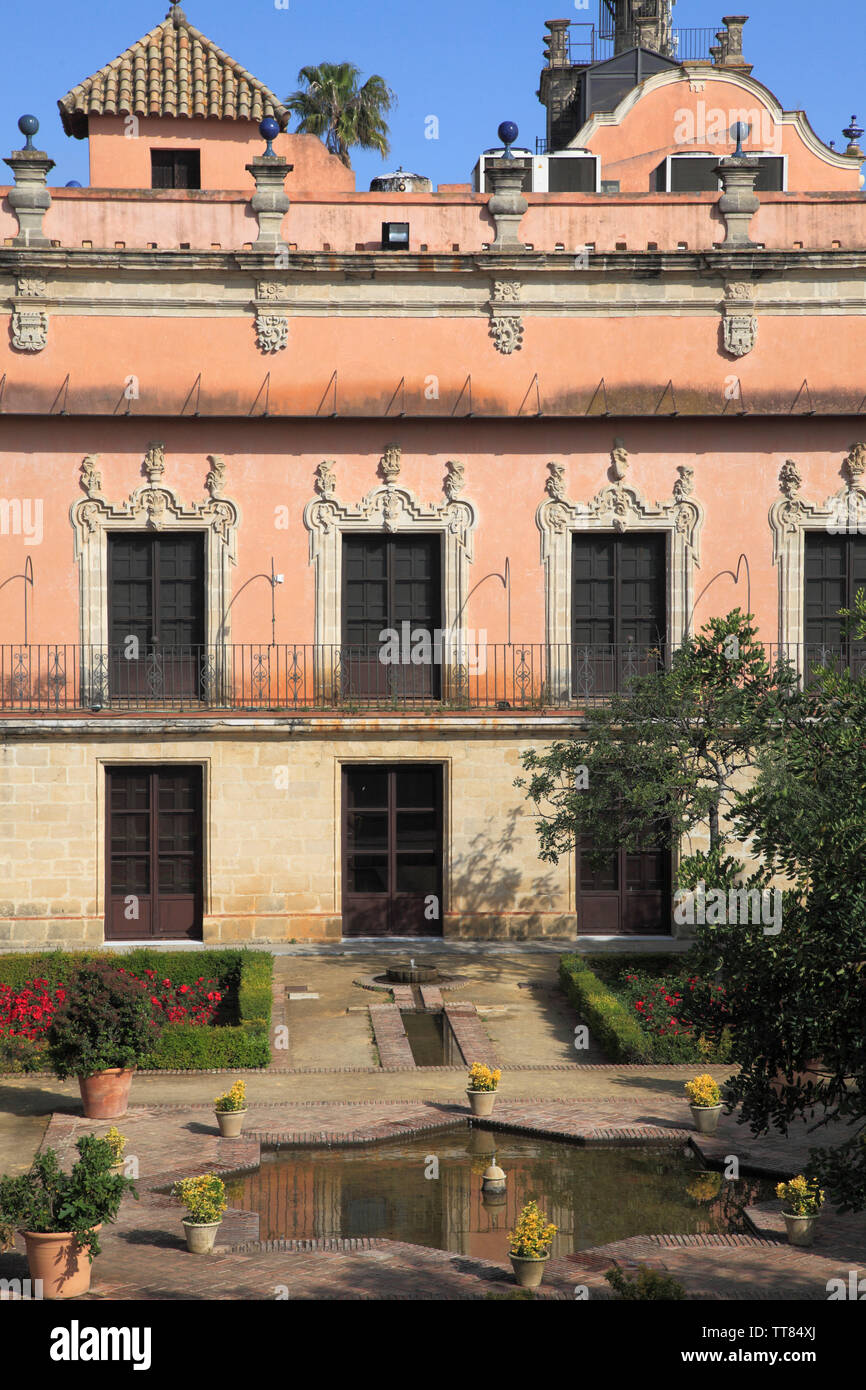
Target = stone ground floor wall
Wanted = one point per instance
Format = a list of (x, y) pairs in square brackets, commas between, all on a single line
[(272, 824)]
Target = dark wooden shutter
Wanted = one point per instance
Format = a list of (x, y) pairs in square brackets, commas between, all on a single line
[(156, 594), (834, 572), (389, 581), (618, 609)]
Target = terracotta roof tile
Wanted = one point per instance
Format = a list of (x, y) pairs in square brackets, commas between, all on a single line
[(173, 71)]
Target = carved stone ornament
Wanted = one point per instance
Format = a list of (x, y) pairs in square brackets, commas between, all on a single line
[(30, 288), (621, 508), (740, 334), (270, 289), (29, 330), (618, 460), (272, 332), (739, 290), (393, 508), (390, 463), (506, 330), (506, 291), (155, 507), (791, 517)]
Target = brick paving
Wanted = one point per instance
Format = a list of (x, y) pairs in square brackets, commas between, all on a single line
[(144, 1256)]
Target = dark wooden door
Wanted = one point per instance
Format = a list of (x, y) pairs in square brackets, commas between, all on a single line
[(392, 850), (629, 895), (154, 853), (835, 569), (618, 619), (390, 583), (156, 596)]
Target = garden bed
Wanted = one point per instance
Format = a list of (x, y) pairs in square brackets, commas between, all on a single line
[(636, 1007), (231, 1031)]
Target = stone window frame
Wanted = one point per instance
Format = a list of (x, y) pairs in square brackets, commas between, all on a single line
[(152, 507), (791, 517), (615, 510), (395, 510)]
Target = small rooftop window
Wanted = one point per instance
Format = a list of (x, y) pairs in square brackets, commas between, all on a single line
[(175, 169)]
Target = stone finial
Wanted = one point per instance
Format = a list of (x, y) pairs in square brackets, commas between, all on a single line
[(619, 460), (390, 463), (216, 476), (326, 479), (853, 134), (453, 483), (154, 463), (790, 479), (556, 43), (507, 205), (855, 465), (738, 202), (733, 41), (30, 199), (91, 478), (270, 202)]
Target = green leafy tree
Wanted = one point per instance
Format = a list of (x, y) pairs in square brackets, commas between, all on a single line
[(796, 1001), (331, 104), (662, 759)]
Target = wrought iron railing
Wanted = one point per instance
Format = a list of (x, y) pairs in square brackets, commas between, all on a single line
[(588, 44), (286, 677)]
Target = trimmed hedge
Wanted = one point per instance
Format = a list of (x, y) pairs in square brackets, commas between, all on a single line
[(617, 1033), (245, 975)]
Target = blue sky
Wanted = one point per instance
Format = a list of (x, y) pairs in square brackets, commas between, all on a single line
[(470, 64)]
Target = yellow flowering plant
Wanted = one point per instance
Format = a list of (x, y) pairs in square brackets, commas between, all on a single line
[(804, 1198), (482, 1078), (703, 1092), (533, 1234), (233, 1099), (705, 1187), (204, 1198), (117, 1142)]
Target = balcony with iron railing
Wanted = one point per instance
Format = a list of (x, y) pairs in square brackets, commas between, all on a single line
[(587, 43), (285, 678)]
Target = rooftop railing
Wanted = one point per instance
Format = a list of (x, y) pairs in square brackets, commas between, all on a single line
[(288, 678), (587, 44)]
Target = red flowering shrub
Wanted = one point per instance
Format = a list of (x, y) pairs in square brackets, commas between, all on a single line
[(661, 1005), (197, 1003), (27, 1012)]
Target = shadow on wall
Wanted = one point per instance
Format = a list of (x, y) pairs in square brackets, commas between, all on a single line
[(485, 892)]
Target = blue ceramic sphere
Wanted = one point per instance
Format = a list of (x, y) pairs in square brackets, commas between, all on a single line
[(269, 128), (28, 125), (508, 132), (73, 183)]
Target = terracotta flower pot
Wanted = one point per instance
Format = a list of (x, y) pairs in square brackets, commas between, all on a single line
[(231, 1122), (200, 1236), (528, 1270), (706, 1117), (801, 1229), (61, 1264), (105, 1095), (481, 1102)]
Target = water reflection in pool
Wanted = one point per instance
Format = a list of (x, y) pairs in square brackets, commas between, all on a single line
[(428, 1191)]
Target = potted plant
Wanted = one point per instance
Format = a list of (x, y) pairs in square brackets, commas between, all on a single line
[(60, 1214), (529, 1250), (100, 1032), (205, 1199), (481, 1088), (231, 1109), (706, 1103), (805, 1200), (118, 1145)]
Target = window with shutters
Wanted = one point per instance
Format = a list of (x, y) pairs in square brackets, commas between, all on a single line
[(156, 615), (175, 169)]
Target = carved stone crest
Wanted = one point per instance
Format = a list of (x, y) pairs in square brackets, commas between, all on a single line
[(154, 463), (326, 479), (272, 332), (741, 334), (453, 482), (855, 465), (29, 330), (91, 478), (619, 460), (506, 330)]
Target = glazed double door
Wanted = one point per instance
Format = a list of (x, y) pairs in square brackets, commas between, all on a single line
[(392, 850), (154, 853)]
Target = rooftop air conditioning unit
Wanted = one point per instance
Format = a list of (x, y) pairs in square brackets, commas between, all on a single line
[(567, 171), (523, 160)]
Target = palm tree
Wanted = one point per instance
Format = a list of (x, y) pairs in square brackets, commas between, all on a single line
[(333, 106)]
